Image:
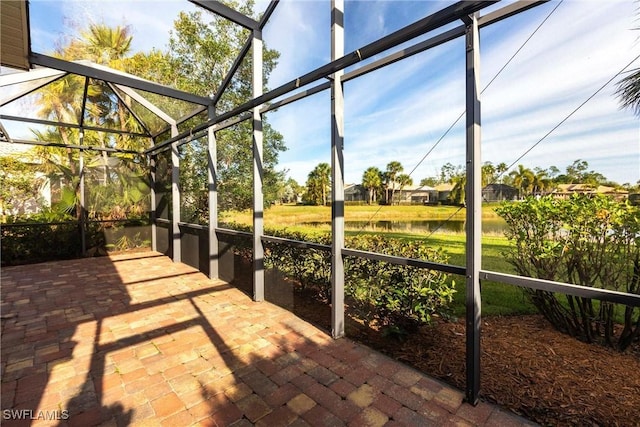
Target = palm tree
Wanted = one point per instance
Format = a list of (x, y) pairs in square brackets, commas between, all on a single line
[(522, 180), (372, 181), (318, 183), (488, 173), (540, 182), (458, 192), (324, 175), (404, 180), (393, 169), (107, 45), (629, 91), (61, 101)]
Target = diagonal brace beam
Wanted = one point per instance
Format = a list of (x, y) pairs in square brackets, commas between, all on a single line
[(226, 12), (147, 104)]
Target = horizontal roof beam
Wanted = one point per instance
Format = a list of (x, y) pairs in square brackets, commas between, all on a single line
[(405, 53), (486, 20), (295, 97), (74, 146), (70, 125), (507, 11), (226, 12), (115, 77)]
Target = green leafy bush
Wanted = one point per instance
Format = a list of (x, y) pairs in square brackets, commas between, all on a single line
[(394, 295), (311, 268), (50, 235), (587, 241), (34, 242)]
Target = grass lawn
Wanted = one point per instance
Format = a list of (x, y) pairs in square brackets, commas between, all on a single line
[(279, 215)]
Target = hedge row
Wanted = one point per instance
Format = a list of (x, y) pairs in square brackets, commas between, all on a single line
[(391, 294)]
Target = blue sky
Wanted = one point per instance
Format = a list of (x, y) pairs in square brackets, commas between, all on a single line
[(399, 112)]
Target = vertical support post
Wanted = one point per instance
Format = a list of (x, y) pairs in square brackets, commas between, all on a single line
[(175, 198), (82, 225), (474, 210), (154, 203), (258, 203), (212, 180), (337, 173)]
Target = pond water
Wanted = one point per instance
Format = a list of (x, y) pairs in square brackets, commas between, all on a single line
[(489, 226)]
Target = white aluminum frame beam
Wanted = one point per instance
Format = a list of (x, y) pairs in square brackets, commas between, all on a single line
[(128, 107), (73, 146), (43, 73), (146, 104), (258, 172), (474, 210), (212, 182), (69, 125), (27, 76), (337, 173)]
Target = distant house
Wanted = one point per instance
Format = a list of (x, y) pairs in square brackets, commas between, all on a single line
[(412, 194), (499, 193), (355, 193), (444, 190), (564, 191), (424, 195)]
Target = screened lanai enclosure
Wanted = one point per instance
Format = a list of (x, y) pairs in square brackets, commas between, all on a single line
[(142, 163)]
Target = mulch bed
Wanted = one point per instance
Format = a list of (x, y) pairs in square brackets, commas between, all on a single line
[(533, 370)]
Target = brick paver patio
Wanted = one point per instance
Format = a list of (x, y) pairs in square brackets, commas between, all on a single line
[(138, 340)]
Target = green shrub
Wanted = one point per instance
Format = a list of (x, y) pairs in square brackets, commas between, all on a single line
[(587, 241), (311, 268), (49, 235), (394, 295), (31, 243)]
